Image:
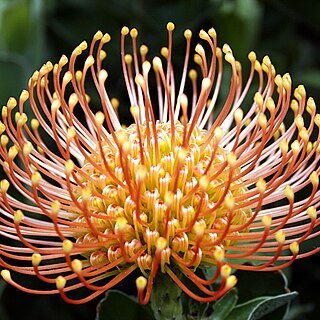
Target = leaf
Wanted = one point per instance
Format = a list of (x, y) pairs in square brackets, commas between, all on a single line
[(119, 306), (252, 285), (225, 305), (257, 308), (257, 284), (16, 26)]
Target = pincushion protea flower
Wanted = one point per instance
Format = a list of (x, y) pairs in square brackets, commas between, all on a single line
[(171, 193)]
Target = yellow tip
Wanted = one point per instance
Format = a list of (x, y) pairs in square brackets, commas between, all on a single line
[(225, 271), (314, 178), (266, 220), (134, 111), (270, 104), (134, 33), (229, 202), (4, 185), (4, 140), (229, 58), (12, 102), (261, 185), (252, 56), (141, 283), (139, 80), (35, 178), (121, 223), (212, 33), (311, 105), (193, 74), (317, 120), (55, 207), (71, 133), (2, 127), (218, 254), (161, 243), (168, 198), (86, 194), (99, 118), (124, 31), (24, 96), (199, 228), (164, 52), (27, 148), (18, 216), (218, 133), (67, 246), (280, 237), (283, 145), (22, 119), (141, 173), (204, 182), (288, 192), (106, 38), (88, 63), (5, 274), (295, 147), (238, 115), (294, 247), (115, 103), (199, 49), (98, 35), (262, 120), (188, 34), (299, 122), (13, 151), (103, 75), (231, 282), (231, 159), (205, 84), (157, 64), (76, 265), (69, 167), (36, 259), (312, 213), (60, 282), (144, 50), (170, 26)]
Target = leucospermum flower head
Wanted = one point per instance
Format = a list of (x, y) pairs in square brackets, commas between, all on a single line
[(197, 180)]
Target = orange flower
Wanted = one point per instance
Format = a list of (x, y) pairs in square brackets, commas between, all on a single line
[(190, 188)]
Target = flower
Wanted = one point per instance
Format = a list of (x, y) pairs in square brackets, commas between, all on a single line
[(194, 189)]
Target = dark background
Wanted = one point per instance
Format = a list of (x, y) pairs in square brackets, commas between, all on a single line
[(34, 31)]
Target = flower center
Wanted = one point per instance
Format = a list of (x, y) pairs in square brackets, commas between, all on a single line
[(159, 189)]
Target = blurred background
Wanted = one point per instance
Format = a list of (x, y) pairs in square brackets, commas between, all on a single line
[(34, 31)]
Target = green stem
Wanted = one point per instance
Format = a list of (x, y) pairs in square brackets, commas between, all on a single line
[(166, 302)]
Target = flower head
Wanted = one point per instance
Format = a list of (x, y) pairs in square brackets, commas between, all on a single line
[(198, 180)]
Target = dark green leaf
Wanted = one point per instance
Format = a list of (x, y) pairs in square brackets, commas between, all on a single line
[(119, 306), (224, 306), (16, 26), (257, 308), (256, 284)]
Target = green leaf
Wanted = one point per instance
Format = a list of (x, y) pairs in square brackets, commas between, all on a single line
[(225, 305), (257, 308), (16, 26), (260, 284), (119, 306)]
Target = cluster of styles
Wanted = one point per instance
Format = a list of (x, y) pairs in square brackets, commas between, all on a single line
[(199, 180)]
